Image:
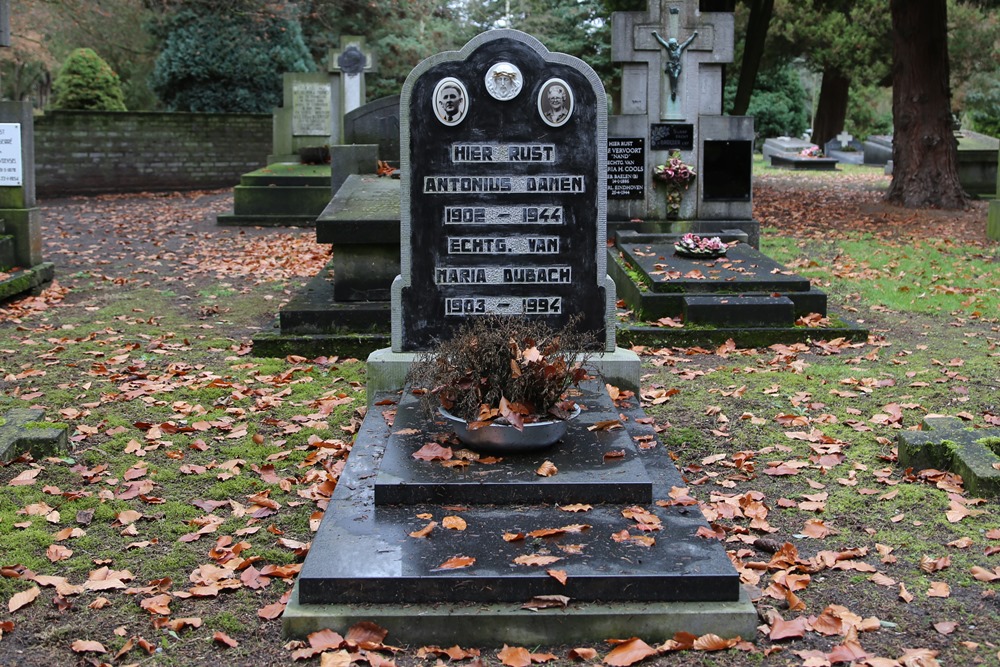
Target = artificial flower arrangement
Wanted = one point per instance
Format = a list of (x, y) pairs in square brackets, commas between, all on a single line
[(692, 245), (677, 176), (812, 151)]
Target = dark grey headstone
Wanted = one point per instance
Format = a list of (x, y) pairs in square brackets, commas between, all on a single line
[(727, 171), (375, 123), (504, 191)]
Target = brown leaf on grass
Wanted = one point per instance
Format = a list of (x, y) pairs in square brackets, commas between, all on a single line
[(325, 640), (457, 563), (929, 565), (547, 469), (815, 528), (25, 478), (982, 574), (222, 638), (158, 604), (23, 598), (558, 575), (425, 531), (849, 651), (514, 656), (85, 646), (946, 627), (629, 652), (536, 560), (582, 653), (433, 452), (782, 629), (341, 658), (546, 602), (939, 589), (454, 523), (271, 611), (57, 552), (905, 595), (882, 580)]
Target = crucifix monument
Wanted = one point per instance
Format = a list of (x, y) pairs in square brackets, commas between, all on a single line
[(672, 57), (348, 64)]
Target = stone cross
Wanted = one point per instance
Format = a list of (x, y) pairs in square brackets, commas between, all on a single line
[(844, 138), (671, 42), (348, 63)]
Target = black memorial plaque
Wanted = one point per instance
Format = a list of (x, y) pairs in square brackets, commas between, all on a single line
[(671, 136), (501, 199), (626, 167), (726, 175)]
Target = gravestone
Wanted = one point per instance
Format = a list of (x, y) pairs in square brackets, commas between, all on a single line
[(784, 147), (877, 149), (348, 64), (499, 216), (845, 148), (21, 265), (376, 123), (304, 118), (503, 196), (672, 58)]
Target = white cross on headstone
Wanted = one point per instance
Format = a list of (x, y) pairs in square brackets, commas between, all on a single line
[(649, 64), (348, 64), (844, 138)]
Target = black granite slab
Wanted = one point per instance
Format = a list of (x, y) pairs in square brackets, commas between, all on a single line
[(364, 554), (739, 309), (742, 269), (585, 474)]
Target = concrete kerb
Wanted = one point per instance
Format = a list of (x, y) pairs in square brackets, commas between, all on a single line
[(496, 624), (387, 369)]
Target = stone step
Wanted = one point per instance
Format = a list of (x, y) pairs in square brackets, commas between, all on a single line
[(739, 310), (364, 552)]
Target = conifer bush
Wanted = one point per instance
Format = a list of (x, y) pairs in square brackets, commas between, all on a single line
[(87, 82)]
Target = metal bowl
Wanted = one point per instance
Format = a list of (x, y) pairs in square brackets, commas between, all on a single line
[(505, 439)]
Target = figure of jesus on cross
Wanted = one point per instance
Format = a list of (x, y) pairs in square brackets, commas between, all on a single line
[(674, 51)]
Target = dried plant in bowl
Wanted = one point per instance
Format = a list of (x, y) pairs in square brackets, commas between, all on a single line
[(509, 371)]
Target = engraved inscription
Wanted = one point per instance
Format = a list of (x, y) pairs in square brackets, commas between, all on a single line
[(503, 153), (503, 275), (503, 215), (512, 305), (492, 245), (504, 184)]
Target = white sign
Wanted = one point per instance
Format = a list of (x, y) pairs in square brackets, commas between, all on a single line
[(11, 174)]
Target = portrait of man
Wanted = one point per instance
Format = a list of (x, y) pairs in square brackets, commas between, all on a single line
[(555, 102), (450, 101)]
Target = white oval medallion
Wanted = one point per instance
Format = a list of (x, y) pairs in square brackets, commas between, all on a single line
[(504, 81)]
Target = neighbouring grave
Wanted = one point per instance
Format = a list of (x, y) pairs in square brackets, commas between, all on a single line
[(491, 225), (945, 443), (21, 266), (23, 431), (672, 58), (307, 159), (845, 148)]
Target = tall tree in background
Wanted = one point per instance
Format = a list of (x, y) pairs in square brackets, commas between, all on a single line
[(847, 40), (753, 52), (924, 151)]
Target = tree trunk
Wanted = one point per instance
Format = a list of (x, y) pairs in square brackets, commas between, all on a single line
[(831, 110), (753, 49), (924, 150)]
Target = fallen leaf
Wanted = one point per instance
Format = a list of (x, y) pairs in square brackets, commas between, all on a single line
[(712, 642), (782, 629), (456, 563), (536, 559), (939, 589), (946, 627), (546, 602), (433, 452), (547, 469), (629, 652), (23, 598), (582, 653), (222, 638), (425, 531), (558, 575), (514, 656), (454, 523), (85, 646)]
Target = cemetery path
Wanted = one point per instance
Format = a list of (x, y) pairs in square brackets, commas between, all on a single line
[(788, 445), (825, 204)]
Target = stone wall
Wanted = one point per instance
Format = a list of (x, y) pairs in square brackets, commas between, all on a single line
[(86, 152)]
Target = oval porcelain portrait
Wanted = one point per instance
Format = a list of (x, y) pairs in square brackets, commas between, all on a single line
[(555, 102), (451, 101)]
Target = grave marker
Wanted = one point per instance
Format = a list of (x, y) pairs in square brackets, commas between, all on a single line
[(348, 65), (504, 193)]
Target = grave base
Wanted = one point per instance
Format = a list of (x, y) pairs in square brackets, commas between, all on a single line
[(22, 430), (366, 565), (945, 443), (280, 194), (804, 163), (486, 625), (17, 283)]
